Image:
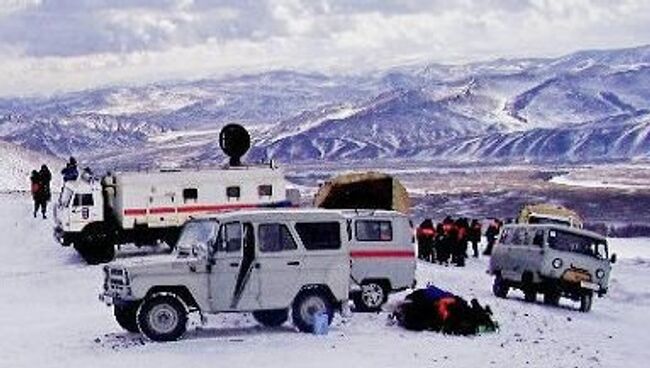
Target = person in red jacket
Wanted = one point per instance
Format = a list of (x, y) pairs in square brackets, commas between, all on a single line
[(425, 235)]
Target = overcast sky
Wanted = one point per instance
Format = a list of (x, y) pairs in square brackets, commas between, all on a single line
[(58, 45)]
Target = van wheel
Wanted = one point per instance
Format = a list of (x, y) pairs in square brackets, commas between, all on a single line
[(530, 295), (586, 300), (271, 318), (499, 287), (371, 297), (162, 318), (552, 297), (125, 315), (307, 305)]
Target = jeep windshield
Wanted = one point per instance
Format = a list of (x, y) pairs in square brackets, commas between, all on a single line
[(195, 237), (577, 243)]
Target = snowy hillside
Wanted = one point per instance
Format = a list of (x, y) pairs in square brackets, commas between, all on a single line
[(584, 107), (17, 164), (51, 318)]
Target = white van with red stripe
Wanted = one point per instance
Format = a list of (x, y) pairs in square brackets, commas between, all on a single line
[(382, 255), (145, 208)]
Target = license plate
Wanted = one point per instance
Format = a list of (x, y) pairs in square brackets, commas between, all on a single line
[(589, 285)]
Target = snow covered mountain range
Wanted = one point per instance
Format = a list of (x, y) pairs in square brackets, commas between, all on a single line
[(585, 107)]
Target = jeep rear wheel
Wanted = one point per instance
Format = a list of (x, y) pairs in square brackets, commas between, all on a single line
[(371, 297), (162, 318), (586, 300), (125, 315), (307, 305), (271, 318), (499, 287)]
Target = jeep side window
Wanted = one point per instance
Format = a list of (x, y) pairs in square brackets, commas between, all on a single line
[(275, 238), (319, 235), (231, 235)]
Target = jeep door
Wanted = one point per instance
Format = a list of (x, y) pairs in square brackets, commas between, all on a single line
[(234, 282), (279, 263)]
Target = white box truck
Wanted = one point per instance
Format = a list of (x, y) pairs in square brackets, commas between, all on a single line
[(149, 207)]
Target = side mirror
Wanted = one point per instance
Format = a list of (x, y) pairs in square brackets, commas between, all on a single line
[(612, 260)]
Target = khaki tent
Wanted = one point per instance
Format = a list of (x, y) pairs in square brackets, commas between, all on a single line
[(369, 190)]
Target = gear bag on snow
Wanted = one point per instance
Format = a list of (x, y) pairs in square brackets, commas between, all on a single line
[(435, 309)]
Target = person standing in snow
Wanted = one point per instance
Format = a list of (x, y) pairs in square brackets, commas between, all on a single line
[(491, 235), (460, 247), (475, 236), (70, 171), (36, 189), (45, 195), (425, 235)]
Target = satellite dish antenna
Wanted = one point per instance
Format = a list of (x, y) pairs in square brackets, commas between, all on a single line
[(235, 141)]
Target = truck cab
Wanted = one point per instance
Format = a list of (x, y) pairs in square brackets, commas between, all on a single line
[(80, 203), (268, 262)]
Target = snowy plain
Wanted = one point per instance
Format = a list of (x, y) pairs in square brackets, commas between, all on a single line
[(51, 317)]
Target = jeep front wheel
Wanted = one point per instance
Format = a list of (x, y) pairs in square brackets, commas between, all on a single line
[(371, 297), (162, 318), (125, 315), (307, 306), (271, 318)]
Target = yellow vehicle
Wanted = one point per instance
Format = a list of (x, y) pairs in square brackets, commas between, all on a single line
[(545, 213)]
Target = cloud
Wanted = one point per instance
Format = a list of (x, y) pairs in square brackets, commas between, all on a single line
[(72, 44)]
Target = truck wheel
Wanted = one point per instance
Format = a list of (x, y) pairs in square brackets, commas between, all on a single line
[(499, 287), (307, 305), (586, 300), (96, 253), (125, 315), (371, 297), (162, 318), (96, 244), (552, 297), (271, 318)]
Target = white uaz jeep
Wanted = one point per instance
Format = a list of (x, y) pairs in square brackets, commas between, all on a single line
[(266, 262)]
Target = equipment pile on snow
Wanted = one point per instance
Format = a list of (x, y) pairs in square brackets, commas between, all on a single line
[(438, 310), (370, 190)]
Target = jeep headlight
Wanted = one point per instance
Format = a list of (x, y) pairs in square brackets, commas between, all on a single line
[(600, 273), (557, 263)]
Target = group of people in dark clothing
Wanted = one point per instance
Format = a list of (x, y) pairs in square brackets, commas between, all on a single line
[(449, 240), (40, 184)]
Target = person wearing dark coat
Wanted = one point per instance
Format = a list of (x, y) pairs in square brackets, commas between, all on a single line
[(459, 251), (475, 236), (491, 235), (44, 194), (425, 237), (70, 171), (37, 191)]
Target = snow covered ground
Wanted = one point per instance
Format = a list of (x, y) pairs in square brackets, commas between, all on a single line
[(50, 317)]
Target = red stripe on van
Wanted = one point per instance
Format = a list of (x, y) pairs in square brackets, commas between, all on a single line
[(382, 254), (135, 212), (157, 210)]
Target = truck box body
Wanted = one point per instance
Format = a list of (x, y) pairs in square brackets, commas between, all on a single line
[(164, 199)]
